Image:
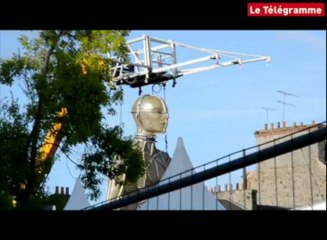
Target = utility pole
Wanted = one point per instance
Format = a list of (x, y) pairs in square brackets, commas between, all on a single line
[(267, 109), (284, 101)]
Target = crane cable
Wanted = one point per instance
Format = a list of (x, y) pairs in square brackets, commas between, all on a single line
[(162, 86), (166, 134)]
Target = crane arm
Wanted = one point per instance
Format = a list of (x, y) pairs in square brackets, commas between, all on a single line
[(157, 62)]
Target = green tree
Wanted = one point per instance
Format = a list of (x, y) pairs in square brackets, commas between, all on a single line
[(67, 72)]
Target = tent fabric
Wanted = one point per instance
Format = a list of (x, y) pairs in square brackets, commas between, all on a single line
[(77, 200), (195, 197)]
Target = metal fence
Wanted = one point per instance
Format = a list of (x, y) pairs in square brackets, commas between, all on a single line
[(286, 173)]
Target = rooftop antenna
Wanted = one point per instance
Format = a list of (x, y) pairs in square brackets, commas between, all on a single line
[(267, 109), (284, 102)]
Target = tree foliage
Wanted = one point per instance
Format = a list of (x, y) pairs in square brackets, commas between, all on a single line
[(56, 70), (112, 156)]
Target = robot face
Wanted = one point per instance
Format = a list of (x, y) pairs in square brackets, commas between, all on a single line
[(150, 114)]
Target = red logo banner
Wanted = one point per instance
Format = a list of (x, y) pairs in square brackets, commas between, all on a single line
[(286, 9)]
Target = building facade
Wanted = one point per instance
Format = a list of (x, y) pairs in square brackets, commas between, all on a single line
[(292, 180)]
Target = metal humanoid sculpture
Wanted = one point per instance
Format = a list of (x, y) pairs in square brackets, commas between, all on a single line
[(151, 117)]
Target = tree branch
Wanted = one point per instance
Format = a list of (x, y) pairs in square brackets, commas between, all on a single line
[(31, 143)]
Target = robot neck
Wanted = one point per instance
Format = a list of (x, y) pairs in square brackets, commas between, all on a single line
[(145, 137)]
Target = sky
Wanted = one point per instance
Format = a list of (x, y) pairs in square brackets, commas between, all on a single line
[(217, 112)]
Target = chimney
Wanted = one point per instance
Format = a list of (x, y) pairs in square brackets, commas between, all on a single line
[(245, 179), (272, 126), (278, 125), (313, 122), (237, 186), (57, 190), (62, 192), (266, 126), (219, 188), (67, 190), (230, 187), (284, 124), (226, 188)]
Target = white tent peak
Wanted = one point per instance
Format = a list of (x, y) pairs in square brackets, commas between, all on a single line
[(180, 148), (77, 199), (180, 143), (195, 197), (180, 161)]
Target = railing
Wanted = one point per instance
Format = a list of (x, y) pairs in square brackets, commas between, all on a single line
[(290, 162)]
